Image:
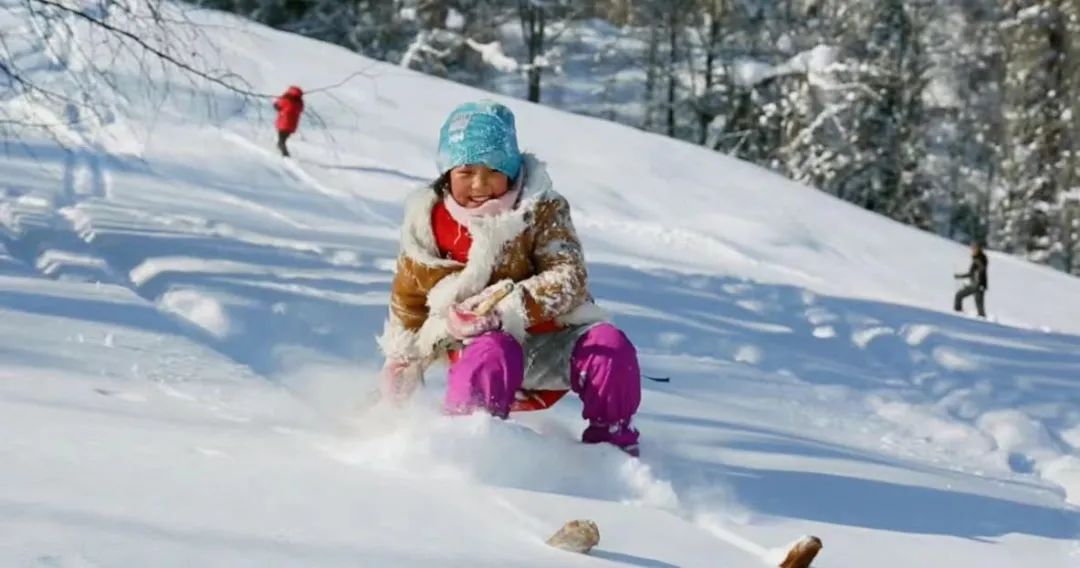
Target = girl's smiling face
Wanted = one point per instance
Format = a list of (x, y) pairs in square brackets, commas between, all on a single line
[(473, 185)]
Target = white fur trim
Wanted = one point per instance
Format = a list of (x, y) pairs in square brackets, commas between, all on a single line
[(417, 238), (432, 335), (514, 315), (396, 342)]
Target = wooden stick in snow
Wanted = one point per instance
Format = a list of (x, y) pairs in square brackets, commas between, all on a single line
[(576, 536), (803, 553)]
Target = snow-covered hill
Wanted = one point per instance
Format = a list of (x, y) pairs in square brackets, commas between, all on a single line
[(186, 347)]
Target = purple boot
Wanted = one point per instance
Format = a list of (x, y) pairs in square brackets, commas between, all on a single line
[(605, 374), (621, 434)]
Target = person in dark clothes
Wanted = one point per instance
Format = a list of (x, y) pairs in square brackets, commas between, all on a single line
[(977, 281)]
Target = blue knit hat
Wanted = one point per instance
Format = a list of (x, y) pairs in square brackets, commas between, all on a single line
[(481, 132)]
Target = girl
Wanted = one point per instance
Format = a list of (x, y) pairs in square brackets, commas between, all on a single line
[(492, 231)]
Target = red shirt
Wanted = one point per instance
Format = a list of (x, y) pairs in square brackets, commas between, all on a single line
[(452, 238)]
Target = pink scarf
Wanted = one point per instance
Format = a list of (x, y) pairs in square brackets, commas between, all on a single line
[(463, 215)]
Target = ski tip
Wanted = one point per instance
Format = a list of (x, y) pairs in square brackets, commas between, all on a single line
[(802, 553)]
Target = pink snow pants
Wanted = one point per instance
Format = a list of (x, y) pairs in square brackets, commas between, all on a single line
[(603, 369)]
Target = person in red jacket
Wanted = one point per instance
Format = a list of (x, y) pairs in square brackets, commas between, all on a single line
[(289, 107)]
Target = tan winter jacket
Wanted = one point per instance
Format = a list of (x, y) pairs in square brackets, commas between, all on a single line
[(534, 245)]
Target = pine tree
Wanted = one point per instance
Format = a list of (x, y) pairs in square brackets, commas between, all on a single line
[(1069, 222), (890, 128), (860, 133), (1041, 133), (964, 125)]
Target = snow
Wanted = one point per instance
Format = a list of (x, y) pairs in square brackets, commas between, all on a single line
[(206, 313), (187, 359), (749, 72), (492, 54), (454, 20), (815, 63)]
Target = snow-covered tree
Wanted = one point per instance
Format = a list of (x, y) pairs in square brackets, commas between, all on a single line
[(964, 122), (891, 128), (1041, 45), (855, 124)]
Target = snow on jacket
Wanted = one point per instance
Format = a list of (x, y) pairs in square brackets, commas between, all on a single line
[(534, 245), (289, 107)]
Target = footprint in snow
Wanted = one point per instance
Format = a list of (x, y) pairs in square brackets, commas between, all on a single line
[(211, 452), (121, 395), (64, 561)]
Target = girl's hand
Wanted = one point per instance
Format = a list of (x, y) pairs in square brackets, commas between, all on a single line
[(477, 314), (399, 380), (464, 324)]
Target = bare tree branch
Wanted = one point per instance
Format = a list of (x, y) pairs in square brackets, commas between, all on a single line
[(219, 80)]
